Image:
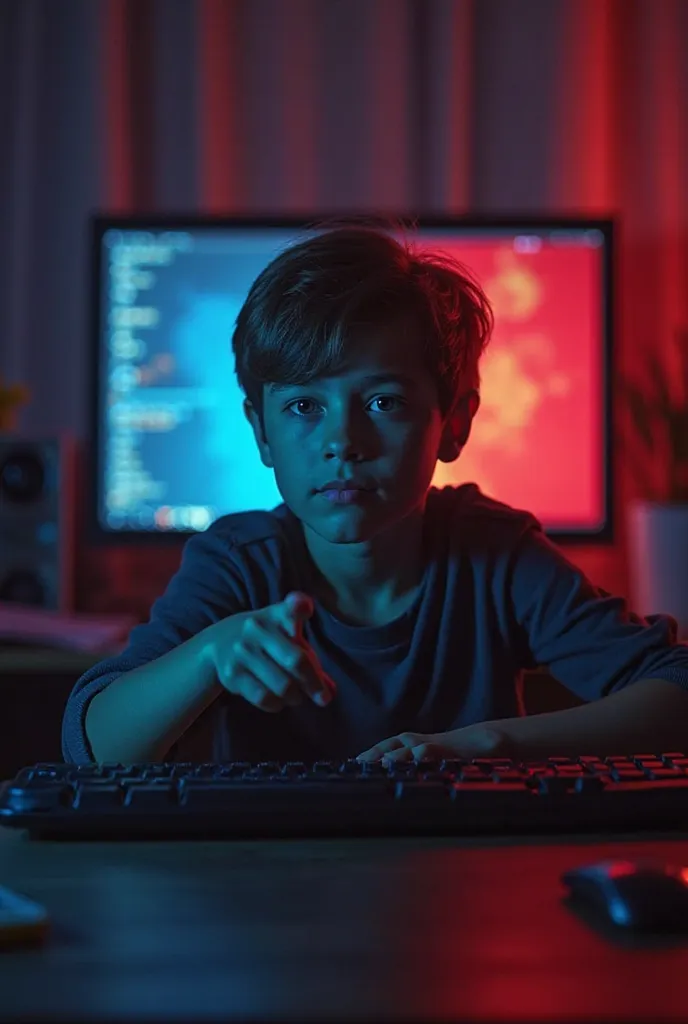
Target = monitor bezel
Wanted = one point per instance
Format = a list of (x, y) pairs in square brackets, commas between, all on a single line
[(102, 222)]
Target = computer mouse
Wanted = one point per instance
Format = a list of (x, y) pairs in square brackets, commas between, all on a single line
[(640, 895)]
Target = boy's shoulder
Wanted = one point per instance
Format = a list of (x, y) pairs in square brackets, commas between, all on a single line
[(239, 529), (237, 545), (467, 510), (246, 527)]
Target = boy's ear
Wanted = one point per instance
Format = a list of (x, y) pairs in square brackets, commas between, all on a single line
[(457, 429), (256, 421)]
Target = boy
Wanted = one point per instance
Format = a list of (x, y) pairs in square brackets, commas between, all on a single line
[(371, 615)]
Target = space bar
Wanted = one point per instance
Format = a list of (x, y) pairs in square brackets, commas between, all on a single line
[(217, 795)]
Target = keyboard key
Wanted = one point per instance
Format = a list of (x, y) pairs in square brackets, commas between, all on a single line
[(555, 785), (38, 799), (48, 772), (649, 762), (504, 775), (156, 771), (428, 764), (150, 796), (589, 784), (444, 777), (422, 793), (646, 785), (209, 771), (237, 769), (401, 773), (97, 783), (676, 761), (216, 794), (627, 774), (476, 776), (98, 798)]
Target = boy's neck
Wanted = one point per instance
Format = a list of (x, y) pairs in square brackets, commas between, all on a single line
[(369, 584)]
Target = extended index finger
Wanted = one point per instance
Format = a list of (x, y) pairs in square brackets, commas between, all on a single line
[(295, 659)]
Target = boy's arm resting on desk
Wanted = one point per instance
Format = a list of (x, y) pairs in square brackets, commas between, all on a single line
[(650, 716), (135, 706), (632, 671), (142, 713)]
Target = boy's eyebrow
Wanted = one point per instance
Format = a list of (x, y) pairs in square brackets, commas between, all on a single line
[(375, 378), (384, 378)]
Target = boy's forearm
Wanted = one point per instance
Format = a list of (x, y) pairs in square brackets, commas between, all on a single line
[(143, 712), (648, 716)]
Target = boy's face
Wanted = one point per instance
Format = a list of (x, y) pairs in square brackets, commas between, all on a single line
[(374, 430)]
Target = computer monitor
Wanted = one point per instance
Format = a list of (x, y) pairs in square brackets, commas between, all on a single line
[(173, 451)]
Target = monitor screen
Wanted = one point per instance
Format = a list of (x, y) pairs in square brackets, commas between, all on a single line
[(173, 450)]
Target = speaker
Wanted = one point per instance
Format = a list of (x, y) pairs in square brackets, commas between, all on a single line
[(37, 521)]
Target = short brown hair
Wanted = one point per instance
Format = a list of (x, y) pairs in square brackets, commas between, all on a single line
[(300, 310)]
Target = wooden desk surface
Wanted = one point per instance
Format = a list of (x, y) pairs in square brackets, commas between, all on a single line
[(423, 929)]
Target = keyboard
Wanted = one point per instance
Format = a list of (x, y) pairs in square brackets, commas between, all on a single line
[(483, 796)]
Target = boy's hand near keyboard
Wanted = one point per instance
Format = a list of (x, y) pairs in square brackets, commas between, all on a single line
[(269, 663)]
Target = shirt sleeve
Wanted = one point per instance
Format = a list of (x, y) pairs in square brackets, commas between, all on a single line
[(589, 640), (206, 588)]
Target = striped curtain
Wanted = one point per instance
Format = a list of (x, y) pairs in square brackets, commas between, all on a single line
[(484, 106)]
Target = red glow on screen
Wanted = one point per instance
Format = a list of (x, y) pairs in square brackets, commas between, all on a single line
[(538, 439), (620, 869)]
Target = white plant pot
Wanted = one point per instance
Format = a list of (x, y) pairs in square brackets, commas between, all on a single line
[(658, 560)]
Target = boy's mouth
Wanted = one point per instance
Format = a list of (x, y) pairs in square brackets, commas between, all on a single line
[(345, 491)]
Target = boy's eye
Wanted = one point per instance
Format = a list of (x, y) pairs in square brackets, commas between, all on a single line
[(302, 407), (387, 403), (306, 407)]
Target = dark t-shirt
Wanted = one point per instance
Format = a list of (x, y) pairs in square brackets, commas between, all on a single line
[(496, 598)]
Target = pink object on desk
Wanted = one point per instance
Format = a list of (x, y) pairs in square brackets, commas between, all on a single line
[(25, 625)]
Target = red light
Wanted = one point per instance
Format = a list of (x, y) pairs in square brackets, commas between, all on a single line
[(541, 382), (620, 869)]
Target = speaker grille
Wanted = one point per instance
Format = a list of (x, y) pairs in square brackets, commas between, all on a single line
[(36, 522)]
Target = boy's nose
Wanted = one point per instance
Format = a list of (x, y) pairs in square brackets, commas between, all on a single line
[(345, 448), (344, 440)]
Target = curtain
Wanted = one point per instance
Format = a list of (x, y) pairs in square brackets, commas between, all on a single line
[(465, 106)]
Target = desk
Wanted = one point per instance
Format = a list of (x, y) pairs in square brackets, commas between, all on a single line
[(24, 661), (417, 929)]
